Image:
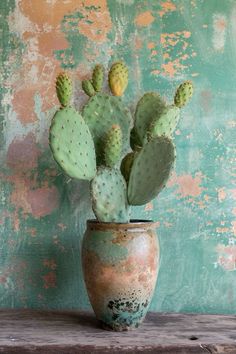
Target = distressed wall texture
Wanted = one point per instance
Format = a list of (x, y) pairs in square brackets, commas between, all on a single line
[(42, 216)]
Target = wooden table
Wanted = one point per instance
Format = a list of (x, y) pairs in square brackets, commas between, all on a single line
[(27, 331)]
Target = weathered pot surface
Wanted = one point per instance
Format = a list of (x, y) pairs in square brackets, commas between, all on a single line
[(120, 265)]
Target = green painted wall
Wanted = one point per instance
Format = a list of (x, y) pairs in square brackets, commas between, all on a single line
[(42, 217)]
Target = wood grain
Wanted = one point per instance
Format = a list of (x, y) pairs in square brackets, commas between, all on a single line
[(27, 331)]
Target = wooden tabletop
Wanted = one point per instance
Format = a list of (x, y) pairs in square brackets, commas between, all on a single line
[(27, 331)]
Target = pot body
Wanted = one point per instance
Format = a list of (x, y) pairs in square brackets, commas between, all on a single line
[(120, 266)]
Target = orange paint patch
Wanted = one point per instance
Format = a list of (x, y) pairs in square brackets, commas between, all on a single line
[(221, 194), (144, 19), (48, 42), (96, 24), (222, 230), (151, 45), (45, 12), (50, 263), (167, 6), (23, 103), (175, 45), (187, 185), (49, 280), (43, 201), (169, 69), (23, 153), (226, 257), (149, 206)]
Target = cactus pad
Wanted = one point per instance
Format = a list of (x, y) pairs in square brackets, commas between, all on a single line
[(113, 146), (109, 196), (64, 88), (88, 88), (97, 78), (149, 106), (165, 124), (183, 94), (118, 78), (150, 170), (72, 145), (100, 113), (126, 165)]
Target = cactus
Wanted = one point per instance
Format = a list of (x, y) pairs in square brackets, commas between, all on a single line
[(98, 146), (109, 196), (164, 124), (150, 170), (97, 78), (118, 78), (149, 106), (64, 88), (126, 165), (100, 113), (72, 145), (88, 88), (183, 94), (113, 146)]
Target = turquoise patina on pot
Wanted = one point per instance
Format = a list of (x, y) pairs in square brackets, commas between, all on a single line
[(120, 265)]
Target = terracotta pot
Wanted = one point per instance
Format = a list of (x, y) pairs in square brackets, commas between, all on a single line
[(120, 265)]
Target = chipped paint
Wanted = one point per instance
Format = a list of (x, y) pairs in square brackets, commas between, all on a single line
[(144, 19), (219, 32), (188, 186)]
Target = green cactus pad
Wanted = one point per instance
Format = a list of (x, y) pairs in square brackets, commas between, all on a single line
[(165, 124), (113, 146), (183, 94), (149, 106), (109, 196), (135, 142), (150, 170), (118, 78), (100, 113), (88, 88), (97, 78), (64, 88), (126, 165), (72, 144)]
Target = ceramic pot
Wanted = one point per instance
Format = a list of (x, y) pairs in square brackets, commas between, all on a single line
[(120, 266)]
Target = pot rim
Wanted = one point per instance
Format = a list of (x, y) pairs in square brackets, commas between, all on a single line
[(132, 224)]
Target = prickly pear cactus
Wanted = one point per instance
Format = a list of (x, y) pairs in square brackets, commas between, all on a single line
[(164, 124), (150, 170), (149, 106), (113, 146), (183, 94), (72, 144), (118, 78), (109, 196), (100, 113), (126, 165), (64, 88), (88, 88), (97, 78), (135, 141)]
